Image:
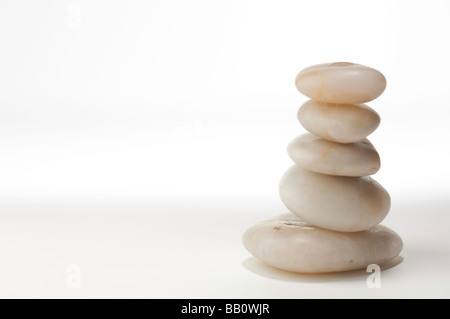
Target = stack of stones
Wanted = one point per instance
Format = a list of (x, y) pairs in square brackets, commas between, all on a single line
[(336, 207)]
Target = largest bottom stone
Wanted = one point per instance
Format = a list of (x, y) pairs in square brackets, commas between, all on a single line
[(289, 243)]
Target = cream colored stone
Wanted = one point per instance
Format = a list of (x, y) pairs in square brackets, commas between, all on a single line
[(346, 204), (321, 156), (291, 244), (343, 123), (341, 82)]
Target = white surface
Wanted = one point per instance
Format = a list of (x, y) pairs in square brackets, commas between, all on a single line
[(122, 121), (192, 250)]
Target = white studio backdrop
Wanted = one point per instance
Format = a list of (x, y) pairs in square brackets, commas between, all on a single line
[(194, 101), (129, 99)]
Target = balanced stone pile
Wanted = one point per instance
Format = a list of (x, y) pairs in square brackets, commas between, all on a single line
[(336, 206)]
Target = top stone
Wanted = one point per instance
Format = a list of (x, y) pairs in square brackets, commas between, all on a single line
[(341, 83)]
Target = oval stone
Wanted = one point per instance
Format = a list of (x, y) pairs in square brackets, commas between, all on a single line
[(321, 156), (347, 204), (341, 82), (291, 244), (343, 123)]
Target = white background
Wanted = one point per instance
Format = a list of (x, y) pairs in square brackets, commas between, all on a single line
[(139, 139)]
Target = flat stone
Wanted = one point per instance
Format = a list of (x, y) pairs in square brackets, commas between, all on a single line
[(343, 123), (341, 82), (321, 156), (289, 243), (340, 203)]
